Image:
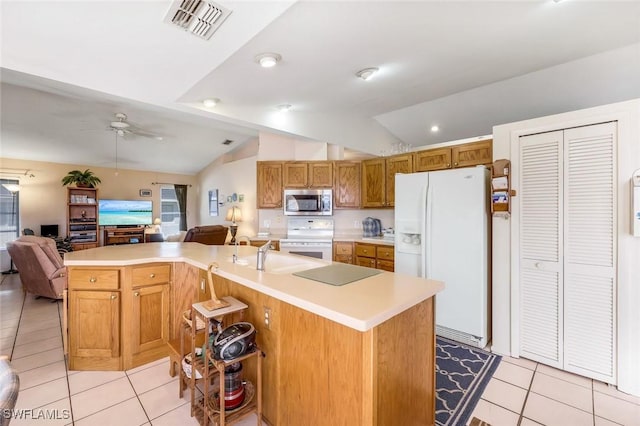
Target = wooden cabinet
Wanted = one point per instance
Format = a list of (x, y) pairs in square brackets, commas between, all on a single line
[(149, 326), (346, 184), (432, 159), (465, 155), (306, 174), (269, 184), (94, 319), (82, 217), (118, 317), (343, 252), (129, 235), (472, 154), (379, 256), (378, 179)]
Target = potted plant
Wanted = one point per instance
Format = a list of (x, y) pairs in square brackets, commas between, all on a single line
[(84, 179)]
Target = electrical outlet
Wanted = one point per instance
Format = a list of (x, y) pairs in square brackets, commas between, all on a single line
[(267, 318), (266, 223), (357, 224)]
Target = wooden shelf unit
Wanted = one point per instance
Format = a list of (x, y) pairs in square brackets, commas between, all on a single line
[(82, 217)]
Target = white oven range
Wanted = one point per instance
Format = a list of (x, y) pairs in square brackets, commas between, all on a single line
[(311, 237)]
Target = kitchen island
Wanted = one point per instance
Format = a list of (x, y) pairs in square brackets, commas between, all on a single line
[(362, 353)]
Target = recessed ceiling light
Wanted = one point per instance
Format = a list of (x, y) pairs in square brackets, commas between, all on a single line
[(268, 60), (435, 128), (210, 103), (284, 108), (366, 73)]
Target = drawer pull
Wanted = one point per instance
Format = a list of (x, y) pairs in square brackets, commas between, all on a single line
[(364, 251), (113, 297), (137, 293), (152, 275), (93, 280)]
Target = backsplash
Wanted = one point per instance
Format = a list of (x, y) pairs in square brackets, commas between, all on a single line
[(345, 221)]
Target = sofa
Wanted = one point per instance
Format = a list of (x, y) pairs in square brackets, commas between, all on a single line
[(41, 268), (210, 234)]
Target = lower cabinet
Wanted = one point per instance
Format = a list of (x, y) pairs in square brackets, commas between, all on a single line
[(378, 256), (343, 252), (118, 318), (149, 326), (94, 330)]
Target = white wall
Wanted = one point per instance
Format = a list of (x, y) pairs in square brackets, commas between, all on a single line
[(627, 114)]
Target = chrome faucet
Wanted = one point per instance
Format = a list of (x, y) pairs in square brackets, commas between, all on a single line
[(235, 254), (262, 255)]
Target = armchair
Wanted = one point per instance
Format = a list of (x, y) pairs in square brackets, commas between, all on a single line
[(42, 271), (211, 234)]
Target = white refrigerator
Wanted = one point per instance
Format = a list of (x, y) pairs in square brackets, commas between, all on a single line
[(442, 233)]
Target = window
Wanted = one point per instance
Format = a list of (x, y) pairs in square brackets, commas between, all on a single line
[(9, 211), (169, 211)]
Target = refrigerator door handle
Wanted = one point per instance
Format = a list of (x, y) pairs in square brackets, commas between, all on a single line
[(425, 222)]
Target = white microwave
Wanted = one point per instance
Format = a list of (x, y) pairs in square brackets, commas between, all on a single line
[(308, 202)]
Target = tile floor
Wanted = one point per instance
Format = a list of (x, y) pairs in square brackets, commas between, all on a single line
[(30, 333), (521, 392)]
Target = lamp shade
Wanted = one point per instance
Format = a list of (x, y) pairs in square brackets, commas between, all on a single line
[(234, 214), (11, 187), (157, 221)]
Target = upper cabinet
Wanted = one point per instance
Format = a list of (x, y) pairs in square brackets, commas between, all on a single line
[(269, 184), (472, 154), (466, 155), (378, 179), (308, 174), (346, 186)]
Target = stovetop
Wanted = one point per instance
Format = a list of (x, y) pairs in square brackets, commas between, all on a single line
[(309, 229)]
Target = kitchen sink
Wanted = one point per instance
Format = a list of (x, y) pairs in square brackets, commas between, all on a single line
[(282, 264)]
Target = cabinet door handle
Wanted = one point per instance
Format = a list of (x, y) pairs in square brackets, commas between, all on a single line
[(137, 293), (152, 275), (455, 164), (93, 279), (448, 164), (114, 297)]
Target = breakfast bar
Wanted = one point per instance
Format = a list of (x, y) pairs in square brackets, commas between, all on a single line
[(359, 353)]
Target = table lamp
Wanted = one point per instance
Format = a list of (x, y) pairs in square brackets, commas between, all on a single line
[(156, 224), (234, 214)]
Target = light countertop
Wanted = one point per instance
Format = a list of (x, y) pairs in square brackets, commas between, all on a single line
[(342, 237), (360, 305)]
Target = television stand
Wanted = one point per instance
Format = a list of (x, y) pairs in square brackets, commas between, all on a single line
[(123, 235)]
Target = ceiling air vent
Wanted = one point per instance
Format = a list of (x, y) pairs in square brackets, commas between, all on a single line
[(198, 17)]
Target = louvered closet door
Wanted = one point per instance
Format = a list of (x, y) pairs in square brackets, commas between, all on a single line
[(540, 248), (590, 251)]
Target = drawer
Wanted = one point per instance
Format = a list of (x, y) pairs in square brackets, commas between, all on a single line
[(344, 258), (151, 274), (365, 250), (384, 252), (366, 261), (92, 279), (385, 265), (344, 249)]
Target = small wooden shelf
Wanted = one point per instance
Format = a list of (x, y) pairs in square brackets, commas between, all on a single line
[(82, 217), (501, 192)]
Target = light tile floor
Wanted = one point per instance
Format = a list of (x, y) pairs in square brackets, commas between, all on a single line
[(31, 334), (521, 392)]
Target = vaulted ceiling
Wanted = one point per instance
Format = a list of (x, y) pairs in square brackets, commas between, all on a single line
[(69, 66)]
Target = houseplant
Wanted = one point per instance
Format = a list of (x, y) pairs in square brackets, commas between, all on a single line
[(84, 179)]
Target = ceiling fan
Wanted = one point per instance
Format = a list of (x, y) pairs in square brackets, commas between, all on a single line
[(122, 127)]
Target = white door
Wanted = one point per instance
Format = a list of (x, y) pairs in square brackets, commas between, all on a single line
[(566, 241), (540, 248), (590, 251)]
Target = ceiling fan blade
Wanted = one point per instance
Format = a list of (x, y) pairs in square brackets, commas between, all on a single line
[(145, 134)]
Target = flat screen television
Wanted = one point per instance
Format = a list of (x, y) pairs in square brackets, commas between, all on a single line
[(125, 212)]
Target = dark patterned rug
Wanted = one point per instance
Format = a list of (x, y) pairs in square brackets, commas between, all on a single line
[(462, 373)]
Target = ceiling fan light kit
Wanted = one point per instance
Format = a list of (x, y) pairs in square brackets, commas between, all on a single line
[(121, 127)]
